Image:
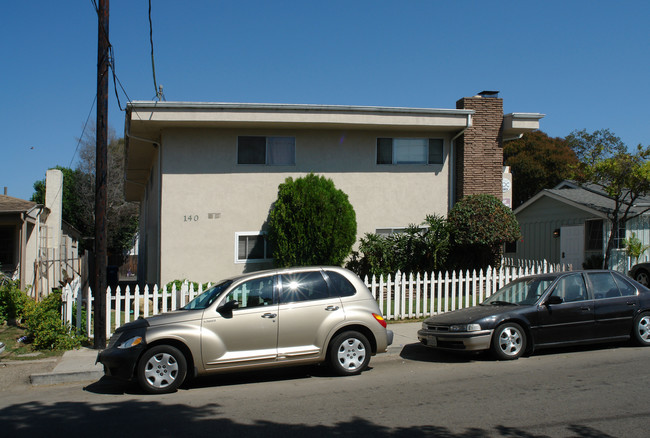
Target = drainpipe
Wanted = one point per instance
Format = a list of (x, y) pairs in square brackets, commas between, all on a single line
[(452, 163), (517, 137)]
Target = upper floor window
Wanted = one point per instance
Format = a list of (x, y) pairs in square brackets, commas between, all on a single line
[(273, 151), (410, 151)]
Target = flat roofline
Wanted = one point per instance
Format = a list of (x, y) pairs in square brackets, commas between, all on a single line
[(217, 106)]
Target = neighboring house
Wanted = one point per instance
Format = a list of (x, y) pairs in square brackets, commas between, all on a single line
[(568, 224), (36, 245), (207, 174)]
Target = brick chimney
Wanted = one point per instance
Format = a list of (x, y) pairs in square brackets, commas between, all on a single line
[(479, 159)]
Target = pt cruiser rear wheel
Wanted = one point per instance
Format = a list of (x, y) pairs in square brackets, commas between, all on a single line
[(508, 341), (349, 353), (161, 369)]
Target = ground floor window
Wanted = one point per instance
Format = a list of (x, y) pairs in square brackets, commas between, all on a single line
[(251, 247)]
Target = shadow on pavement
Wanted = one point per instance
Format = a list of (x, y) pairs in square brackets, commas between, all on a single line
[(150, 417), (420, 353)]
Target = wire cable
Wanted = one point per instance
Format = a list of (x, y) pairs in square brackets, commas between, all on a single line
[(157, 90), (83, 131)]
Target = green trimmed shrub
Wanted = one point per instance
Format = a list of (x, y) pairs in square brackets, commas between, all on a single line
[(311, 223), (480, 225), (44, 326), (12, 300)]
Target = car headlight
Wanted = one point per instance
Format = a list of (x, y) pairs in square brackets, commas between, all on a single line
[(465, 328), (425, 326), (132, 342)]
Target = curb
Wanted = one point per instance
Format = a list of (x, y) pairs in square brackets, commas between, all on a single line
[(52, 379)]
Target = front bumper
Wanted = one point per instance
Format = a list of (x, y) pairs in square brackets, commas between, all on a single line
[(465, 341), (120, 362)]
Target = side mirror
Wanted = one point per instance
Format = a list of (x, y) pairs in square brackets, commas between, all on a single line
[(554, 299), (226, 309)]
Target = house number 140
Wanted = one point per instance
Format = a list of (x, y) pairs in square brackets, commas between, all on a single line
[(191, 218)]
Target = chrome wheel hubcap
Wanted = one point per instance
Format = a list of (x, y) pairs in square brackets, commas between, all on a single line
[(351, 354), (510, 341), (644, 328), (161, 370)]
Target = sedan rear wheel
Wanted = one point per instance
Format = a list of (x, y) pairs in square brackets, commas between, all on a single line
[(508, 341), (642, 329), (161, 369), (349, 353)]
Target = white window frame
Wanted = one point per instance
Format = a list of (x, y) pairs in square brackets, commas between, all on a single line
[(394, 152), (239, 234)]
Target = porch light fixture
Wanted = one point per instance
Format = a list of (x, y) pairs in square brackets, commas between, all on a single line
[(556, 232)]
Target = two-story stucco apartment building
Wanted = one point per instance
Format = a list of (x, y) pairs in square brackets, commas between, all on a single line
[(207, 174)]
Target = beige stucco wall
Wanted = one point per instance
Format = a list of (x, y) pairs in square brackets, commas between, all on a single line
[(207, 197)]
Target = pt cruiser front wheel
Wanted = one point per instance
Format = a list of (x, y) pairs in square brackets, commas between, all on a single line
[(349, 353), (161, 369)]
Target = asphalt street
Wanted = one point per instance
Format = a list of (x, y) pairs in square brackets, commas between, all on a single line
[(415, 392)]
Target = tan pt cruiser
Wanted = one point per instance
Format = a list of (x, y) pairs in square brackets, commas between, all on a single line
[(264, 319)]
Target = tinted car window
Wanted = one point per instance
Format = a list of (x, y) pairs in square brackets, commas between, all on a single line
[(303, 286), (571, 288), (340, 286), (624, 287), (206, 298), (604, 285), (253, 293)]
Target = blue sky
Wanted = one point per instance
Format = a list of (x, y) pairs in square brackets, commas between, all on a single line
[(584, 64)]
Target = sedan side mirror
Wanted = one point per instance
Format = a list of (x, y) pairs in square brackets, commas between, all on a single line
[(226, 309), (554, 299)]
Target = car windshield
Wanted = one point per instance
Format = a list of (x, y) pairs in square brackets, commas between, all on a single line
[(521, 292), (206, 298)]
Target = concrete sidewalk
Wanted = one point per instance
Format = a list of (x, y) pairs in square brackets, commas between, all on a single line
[(79, 365)]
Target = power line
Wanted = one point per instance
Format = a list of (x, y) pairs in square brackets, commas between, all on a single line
[(111, 61), (157, 90), (83, 131)]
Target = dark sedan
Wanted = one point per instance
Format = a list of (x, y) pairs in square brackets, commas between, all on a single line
[(548, 310), (641, 273)]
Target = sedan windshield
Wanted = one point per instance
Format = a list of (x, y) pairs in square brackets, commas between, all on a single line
[(207, 297), (522, 292)]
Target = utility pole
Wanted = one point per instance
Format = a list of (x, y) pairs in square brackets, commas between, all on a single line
[(101, 253)]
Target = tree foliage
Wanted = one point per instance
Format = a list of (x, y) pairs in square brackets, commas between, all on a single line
[(79, 196), (72, 207), (311, 223), (537, 162), (415, 249), (480, 225), (605, 161)]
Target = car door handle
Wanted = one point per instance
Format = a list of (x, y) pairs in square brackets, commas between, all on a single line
[(332, 308), (269, 315), (585, 309), (631, 303)]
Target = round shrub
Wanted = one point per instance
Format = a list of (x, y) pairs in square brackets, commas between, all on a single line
[(480, 224), (311, 223)]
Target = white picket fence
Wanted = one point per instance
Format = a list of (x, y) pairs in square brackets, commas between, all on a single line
[(400, 296)]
